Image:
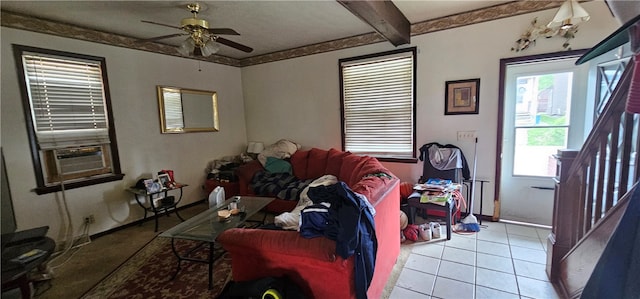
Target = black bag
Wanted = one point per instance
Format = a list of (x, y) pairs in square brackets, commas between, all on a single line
[(140, 184), (168, 201), (267, 288), (456, 175)]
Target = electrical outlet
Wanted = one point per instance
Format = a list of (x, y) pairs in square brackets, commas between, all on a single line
[(467, 135), (89, 219)]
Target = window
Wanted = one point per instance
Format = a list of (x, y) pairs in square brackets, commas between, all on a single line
[(378, 104), (71, 131), (541, 122), (608, 75)]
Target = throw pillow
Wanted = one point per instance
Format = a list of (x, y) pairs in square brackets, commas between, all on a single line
[(334, 161), (275, 165), (282, 149), (247, 171), (299, 164), (317, 163)]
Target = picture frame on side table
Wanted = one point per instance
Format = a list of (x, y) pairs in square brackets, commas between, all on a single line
[(164, 180), (462, 97), (152, 186)]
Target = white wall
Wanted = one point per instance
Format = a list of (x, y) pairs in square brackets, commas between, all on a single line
[(296, 99), (299, 98), (133, 76)]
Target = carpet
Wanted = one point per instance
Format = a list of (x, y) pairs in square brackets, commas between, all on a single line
[(148, 273)]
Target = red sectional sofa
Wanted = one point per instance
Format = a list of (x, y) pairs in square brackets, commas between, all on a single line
[(313, 263)]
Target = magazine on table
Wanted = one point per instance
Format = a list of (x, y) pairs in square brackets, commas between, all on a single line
[(439, 198)]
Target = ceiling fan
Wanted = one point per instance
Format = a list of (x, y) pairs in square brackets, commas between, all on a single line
[(202, 40)]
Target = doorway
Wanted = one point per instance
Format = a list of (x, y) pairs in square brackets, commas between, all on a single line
[(544, 104)]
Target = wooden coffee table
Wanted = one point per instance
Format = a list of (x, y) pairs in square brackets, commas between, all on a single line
[(206, 226)]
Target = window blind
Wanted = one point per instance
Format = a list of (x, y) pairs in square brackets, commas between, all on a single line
[(378, 106), (67, 101), (173, 109)]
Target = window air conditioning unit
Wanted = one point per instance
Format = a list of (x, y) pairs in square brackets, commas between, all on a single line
[(79, 159)]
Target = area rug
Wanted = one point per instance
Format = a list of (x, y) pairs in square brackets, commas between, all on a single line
[(148, 273)]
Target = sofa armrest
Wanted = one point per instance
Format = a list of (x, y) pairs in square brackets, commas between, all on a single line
[(264, 242)]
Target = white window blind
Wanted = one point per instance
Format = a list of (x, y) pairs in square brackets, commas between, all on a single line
[(67, 101), (378, 104), (173, 109)]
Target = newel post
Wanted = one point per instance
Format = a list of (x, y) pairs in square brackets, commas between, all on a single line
[(566, 203)]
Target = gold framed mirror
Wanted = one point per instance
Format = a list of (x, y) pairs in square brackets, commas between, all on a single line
[(185, 110)]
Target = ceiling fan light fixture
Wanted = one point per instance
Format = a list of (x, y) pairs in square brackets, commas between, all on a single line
[(211, 47), (569, 14), (187, 47), (202, 40)]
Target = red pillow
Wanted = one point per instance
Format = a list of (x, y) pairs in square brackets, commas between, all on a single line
[(349, 164), (245, 172), (317, 163), (334, 161), (299, 164), (370, 165), (371, 187)]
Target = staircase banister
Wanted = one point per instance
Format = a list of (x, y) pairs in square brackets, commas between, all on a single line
[(577, 265), (613, 106)]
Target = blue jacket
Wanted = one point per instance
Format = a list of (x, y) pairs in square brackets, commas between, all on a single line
[(350, 223)]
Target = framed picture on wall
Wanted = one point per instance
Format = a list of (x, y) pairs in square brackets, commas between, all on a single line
[(462, 97)]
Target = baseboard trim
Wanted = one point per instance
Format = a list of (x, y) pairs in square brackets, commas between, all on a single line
[(480, 217), (525, 224), (140, 221)]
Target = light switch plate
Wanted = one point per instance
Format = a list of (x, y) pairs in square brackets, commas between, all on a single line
[(467, 135)]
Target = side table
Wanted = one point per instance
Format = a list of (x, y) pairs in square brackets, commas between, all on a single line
[(166, 206), (14, 273), (414, 203)]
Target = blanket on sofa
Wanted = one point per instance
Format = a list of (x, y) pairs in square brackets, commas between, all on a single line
[(342, 215), (281, 185)]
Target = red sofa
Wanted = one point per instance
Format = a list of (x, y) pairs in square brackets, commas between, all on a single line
[(313, 263)]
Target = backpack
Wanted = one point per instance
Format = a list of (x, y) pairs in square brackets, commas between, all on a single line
[(262, 288)]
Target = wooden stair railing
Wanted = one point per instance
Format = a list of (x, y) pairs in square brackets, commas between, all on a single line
[(590, 184)]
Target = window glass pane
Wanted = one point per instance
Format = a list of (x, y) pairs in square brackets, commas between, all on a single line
[(534, 150), (543, 100), (67, 100), (609, 74)]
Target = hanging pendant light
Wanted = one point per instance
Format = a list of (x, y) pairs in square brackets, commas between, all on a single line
[(569, 15), (209, 48), (192, 46), (187, 46)]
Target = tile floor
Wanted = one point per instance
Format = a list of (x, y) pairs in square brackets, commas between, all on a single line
[(500, 261)]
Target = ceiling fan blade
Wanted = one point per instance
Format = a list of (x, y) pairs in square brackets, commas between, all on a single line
[(222, 31), (161, 37), (156, 23), (233, 44)]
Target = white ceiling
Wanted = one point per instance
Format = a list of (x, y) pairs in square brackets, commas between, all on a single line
[(266, 26)]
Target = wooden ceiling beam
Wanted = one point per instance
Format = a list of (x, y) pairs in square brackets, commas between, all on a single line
[(384, 17)]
